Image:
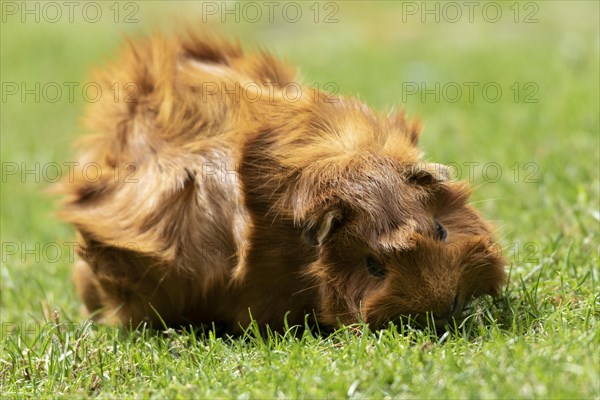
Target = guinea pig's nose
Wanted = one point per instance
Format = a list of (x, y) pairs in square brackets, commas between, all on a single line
[(443, 318), (451, 310)]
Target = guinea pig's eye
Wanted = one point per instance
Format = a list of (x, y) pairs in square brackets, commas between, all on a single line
[(440, 232), (375, 267)]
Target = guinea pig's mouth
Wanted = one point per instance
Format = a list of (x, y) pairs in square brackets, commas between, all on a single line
[(428, 320), (459, 310)]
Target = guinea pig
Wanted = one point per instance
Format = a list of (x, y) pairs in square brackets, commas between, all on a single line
[(214, 188)]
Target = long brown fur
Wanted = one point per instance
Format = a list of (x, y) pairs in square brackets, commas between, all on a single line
[(214, 201)]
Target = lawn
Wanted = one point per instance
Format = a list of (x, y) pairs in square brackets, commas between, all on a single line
[(509, 96)]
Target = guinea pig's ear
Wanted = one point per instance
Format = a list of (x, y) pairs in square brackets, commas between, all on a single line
[(411, 128), (428, 173), (322, 228)]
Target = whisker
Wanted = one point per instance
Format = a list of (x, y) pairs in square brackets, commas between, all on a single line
[(489, 200), (313, 287)]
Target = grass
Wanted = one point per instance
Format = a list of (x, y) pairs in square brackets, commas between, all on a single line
[(541, 339)]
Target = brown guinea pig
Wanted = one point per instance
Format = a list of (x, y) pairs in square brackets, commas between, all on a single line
[(216, 187)]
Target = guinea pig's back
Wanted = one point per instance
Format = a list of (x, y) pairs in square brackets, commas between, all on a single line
[(155, 193)]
